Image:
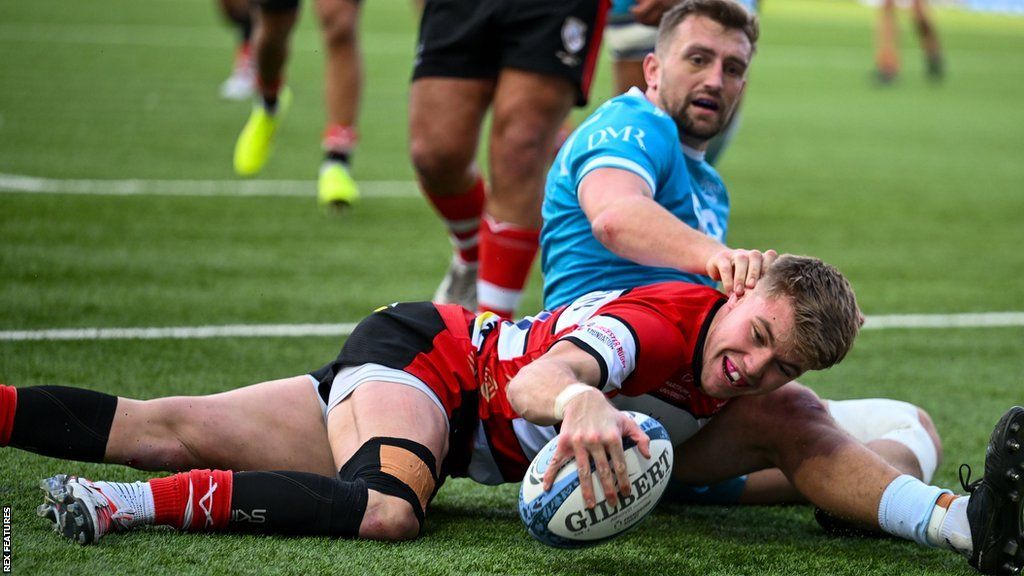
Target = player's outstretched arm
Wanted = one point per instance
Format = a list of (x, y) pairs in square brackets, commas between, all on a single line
[(625, 219), (559, 386)]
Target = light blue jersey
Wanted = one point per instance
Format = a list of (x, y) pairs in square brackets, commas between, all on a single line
[(629, 133)]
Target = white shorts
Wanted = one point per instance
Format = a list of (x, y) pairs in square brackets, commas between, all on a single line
[(351, 377), (883, 419)]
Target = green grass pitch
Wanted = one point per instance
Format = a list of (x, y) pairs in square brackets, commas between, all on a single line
[(915, 190)]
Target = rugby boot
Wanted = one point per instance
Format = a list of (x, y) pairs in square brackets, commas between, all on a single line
[(81, 511), (336, 188), (994, 511), (459, 285), (257, 138)]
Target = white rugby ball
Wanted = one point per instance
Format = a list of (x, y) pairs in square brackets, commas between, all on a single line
[(559, 518)]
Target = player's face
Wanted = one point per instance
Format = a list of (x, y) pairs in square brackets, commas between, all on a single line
[(747, 348), (700, 78)]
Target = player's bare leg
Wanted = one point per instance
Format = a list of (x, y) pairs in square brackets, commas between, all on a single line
[(929, 39), (529, 109), (917, 453), (887, 57), (343, 86), (271, 40), (791, 429), (445, 118), (271, 425), (276, 425), (388, 410)]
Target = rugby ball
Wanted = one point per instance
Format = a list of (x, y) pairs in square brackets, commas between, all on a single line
[(559, 518)]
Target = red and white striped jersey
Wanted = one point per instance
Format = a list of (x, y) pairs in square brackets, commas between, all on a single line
[(648, 342)]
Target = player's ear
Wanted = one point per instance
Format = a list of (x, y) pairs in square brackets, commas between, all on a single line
[(652, 70)]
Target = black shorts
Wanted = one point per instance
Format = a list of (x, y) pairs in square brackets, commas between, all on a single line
[(477, 38)]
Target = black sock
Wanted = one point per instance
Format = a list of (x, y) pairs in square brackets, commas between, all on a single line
[(297, 503), (343, 157), (63, 422)]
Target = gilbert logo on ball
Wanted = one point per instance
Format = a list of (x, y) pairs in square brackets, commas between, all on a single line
[(559, 518)]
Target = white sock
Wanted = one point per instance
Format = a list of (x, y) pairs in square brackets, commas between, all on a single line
[(135, 498), (948, 527), (906, 508)]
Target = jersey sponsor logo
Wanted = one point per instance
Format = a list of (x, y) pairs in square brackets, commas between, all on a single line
[(606, 336), (610, 133)]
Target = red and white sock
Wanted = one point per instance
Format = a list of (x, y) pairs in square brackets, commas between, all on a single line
[(506, 256), (340, 139), (461, 216), (198, 500)]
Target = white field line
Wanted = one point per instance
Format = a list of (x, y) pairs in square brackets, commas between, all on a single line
[(17, 183), (904, 321)]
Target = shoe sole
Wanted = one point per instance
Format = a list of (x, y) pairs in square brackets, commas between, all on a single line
[(70, 515), (1004, 471)]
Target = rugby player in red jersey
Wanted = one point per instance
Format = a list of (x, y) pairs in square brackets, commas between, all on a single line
[(422, 391)]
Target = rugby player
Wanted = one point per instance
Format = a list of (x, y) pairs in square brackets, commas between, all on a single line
[(528, 62), (424, 391), (343, 82), (631, 200)]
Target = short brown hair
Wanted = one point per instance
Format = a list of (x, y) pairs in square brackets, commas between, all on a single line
[(728, 13), (827, 317)]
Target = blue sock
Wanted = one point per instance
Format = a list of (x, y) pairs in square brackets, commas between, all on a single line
[(906, 508), (723, 493)]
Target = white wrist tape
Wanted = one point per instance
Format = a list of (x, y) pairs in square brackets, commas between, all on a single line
[(571, 391)]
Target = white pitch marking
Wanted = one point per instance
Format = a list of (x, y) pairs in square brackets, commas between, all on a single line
[(183, 332), (887, 322), (16, 183)]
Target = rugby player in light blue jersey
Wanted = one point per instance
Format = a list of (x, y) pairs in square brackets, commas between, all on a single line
[(630, 200)]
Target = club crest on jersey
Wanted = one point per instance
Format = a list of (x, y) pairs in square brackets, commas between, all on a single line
[(574, 39)]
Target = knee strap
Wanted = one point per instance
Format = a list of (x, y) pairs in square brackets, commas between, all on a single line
[(396, 467)]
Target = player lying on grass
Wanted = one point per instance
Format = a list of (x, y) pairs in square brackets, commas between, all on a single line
[(422, 391)]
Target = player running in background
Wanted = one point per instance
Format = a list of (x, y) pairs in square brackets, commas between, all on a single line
[(631, 200), (528, 62), (887, 57), (343, 82), (239, 86), (424, 391)]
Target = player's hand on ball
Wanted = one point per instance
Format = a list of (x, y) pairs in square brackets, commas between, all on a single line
[(739, 269), (593, 430)]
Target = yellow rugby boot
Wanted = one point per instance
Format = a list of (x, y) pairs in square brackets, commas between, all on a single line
[(257, 138), (336, 187)]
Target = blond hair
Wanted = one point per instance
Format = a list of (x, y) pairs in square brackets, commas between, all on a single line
[(825, 309)]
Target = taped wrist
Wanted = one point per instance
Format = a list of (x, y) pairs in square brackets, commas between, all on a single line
[(396, 467)]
